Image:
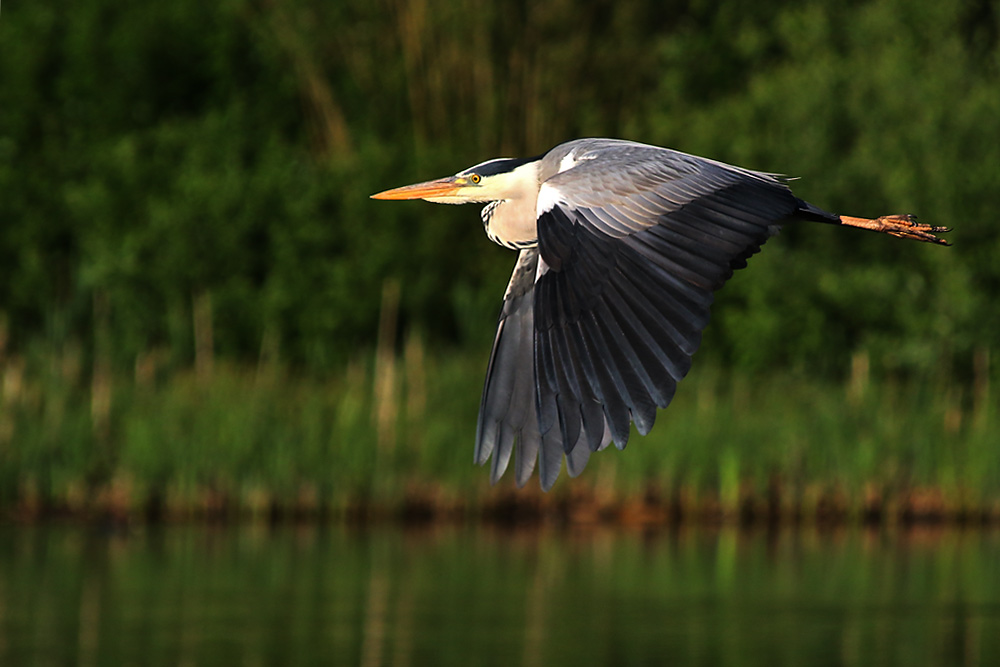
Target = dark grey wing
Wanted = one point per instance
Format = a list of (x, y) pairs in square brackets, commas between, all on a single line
[(600, 321), (630, 255)]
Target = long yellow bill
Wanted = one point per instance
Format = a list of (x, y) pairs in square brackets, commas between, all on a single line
[(437, 188)]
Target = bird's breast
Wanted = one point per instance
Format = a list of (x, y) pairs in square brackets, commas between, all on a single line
[(511, 223)]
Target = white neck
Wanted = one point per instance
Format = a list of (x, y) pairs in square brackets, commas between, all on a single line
[(513, 222)]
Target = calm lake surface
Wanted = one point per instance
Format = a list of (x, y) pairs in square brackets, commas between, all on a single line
[(196, 595)]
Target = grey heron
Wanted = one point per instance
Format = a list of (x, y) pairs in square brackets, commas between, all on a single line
[(621, 247)]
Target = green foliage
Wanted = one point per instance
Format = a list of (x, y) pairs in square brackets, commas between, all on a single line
[(253, 439), (153, 154)]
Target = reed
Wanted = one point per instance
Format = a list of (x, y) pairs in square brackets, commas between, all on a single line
[(386, 436)]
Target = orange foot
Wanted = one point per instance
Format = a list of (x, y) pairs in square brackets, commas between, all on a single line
[(903, 226)]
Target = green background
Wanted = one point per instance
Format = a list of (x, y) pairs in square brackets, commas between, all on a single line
[(184, 211)]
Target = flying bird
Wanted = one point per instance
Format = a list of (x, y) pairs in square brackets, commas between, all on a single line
[(621, 247)]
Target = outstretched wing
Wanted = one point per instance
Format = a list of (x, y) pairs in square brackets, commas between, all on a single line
[(632, 242)]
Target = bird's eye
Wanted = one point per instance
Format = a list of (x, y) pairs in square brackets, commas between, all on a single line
[(475, 178)]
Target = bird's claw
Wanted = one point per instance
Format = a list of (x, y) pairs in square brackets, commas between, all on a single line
[(907, 227), (902, 226)]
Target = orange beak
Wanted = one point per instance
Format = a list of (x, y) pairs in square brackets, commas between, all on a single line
[(441, 187)]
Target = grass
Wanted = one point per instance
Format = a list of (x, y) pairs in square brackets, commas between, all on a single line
[(264, 441)]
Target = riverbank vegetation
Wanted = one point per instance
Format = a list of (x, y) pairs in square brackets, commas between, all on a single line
[(391, 438)]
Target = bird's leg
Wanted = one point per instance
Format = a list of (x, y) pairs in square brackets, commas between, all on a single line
[(903, 226)]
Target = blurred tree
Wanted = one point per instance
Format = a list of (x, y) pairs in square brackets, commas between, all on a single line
[(158, 152)]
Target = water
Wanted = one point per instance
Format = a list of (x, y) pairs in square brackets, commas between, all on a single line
[(486, 596)]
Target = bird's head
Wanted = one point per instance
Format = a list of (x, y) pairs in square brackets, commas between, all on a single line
[(492, 180)]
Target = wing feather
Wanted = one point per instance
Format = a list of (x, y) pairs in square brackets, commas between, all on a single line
[(610, 390), (528, 443), (656, 370)]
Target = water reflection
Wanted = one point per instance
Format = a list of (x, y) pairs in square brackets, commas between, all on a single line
[(462, 595)]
